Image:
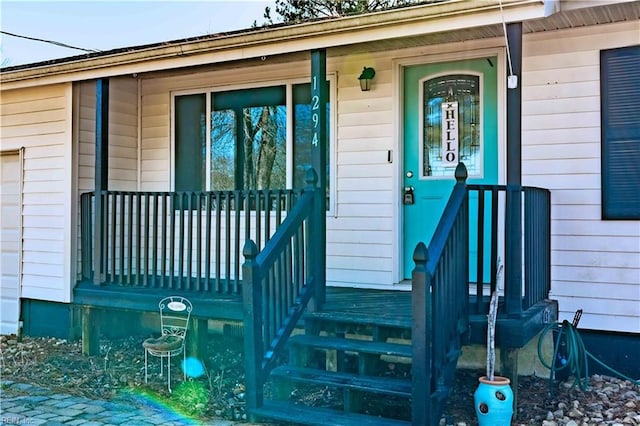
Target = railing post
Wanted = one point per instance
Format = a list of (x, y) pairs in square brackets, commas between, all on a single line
[(316, 240), (85, 235), (513, 252), (421, 337), (513, 231), (101, 176), (253, 344)]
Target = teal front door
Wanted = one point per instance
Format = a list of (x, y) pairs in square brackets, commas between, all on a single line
[(450, 116)]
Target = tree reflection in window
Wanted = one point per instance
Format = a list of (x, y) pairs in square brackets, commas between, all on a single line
[(223, 151), (265, 136), (465, 89), (248, 139)]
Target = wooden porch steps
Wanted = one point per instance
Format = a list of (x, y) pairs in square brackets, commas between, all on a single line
[(379, 385), (352, 345), (350, 366), (373, 319), (300, 414)]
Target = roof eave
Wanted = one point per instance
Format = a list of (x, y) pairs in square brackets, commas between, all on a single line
[(421, 19)]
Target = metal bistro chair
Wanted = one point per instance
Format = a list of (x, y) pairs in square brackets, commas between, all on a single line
[(175, 312)]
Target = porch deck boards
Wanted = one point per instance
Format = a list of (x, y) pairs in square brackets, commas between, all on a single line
[(361, 305), (391, 308), (113, 296)]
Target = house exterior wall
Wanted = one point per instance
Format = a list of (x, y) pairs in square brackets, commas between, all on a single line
[(39, 120), (362, 228), (595, 263), (123, 140), (361, 235)]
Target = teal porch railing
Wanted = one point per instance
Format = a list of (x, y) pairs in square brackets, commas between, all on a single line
[(187, 241), (521, 216), (194, 242)]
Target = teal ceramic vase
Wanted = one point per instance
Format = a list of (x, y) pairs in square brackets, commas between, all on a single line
[(494, 401)]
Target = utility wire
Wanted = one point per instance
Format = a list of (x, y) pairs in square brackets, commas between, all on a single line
[(506, 40), (56, 43)]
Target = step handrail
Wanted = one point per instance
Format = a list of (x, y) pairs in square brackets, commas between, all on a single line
[(440, 291), (280, 282)]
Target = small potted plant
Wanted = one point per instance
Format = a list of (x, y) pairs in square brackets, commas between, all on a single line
[(493, 398)]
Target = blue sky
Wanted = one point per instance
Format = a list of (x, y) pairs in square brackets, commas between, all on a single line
[(104, 25)]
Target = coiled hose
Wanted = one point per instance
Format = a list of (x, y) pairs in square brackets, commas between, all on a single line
[(574, 356)]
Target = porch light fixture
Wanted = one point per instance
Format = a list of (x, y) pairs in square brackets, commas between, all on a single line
[(365, 78)]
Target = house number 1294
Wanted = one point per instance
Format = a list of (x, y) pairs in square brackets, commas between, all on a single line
[(315, 105)]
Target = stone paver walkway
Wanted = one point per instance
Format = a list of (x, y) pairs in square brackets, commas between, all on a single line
[(26, 404)]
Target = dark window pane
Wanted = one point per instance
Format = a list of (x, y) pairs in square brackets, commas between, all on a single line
[(190, 142), (238, 99)]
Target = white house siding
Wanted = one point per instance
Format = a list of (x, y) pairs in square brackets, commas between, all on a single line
[(123, 134), (123, 138), (595, 263), (39, 119), (361, 239)]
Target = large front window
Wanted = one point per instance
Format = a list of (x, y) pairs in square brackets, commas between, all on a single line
[(244, 143)]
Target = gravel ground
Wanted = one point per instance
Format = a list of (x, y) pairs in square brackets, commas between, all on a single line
[(606, 401), (219, 392)]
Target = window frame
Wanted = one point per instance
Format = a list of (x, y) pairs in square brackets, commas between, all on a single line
[(210, 91)]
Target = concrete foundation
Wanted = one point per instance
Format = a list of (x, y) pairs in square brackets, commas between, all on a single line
[(475, 357)]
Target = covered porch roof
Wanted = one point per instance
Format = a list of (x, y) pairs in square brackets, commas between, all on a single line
[(425, 24)]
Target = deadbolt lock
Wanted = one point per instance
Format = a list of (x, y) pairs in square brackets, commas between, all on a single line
[(408, 197)]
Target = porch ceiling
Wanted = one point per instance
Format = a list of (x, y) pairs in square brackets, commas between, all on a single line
[(570, 17)]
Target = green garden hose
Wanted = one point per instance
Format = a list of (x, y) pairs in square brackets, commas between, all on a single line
[(573, 358)]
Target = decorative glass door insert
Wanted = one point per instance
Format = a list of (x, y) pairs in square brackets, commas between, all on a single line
[(451, 125)]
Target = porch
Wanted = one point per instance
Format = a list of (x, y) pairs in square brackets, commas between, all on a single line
[(157, 243), (152, 244)]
